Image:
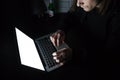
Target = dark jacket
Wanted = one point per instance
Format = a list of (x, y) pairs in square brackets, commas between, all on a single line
[(92, 35)]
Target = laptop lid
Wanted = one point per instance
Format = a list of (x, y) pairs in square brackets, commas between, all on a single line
[(29, 55)]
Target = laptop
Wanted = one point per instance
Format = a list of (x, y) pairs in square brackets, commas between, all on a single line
[(37, 53)]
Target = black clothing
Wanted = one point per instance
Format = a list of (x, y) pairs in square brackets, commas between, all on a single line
[(92, 35)]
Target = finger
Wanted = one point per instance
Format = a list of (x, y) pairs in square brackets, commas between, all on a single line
[(62, 36), (54, 54), (58, 39), (53, 38), (61, 50), (57, 60), (57, 57), (61, 62)]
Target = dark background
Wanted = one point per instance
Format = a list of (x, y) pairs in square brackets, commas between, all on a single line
[(20, 13)]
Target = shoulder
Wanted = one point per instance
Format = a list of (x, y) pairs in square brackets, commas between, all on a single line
[(115, 10), (114, 21), (115, 16), (114, 13)]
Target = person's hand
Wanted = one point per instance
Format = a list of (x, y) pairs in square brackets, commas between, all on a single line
[(57, 38), (64, 54)]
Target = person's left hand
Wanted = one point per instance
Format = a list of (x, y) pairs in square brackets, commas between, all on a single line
[(62, 55)]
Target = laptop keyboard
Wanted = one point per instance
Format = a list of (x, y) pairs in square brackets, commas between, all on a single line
[(46, 48)]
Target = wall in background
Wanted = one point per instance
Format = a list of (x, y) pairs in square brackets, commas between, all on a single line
[(61, 6)]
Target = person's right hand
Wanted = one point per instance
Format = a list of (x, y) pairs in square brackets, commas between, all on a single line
[(63, 54), (57, 38)]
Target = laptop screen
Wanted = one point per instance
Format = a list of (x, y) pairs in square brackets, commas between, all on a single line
[(28, 52)]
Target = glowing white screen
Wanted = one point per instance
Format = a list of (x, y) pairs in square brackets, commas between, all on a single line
[(28, 52)]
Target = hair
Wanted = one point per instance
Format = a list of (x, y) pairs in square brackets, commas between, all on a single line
[(73, 6), (104, 5)]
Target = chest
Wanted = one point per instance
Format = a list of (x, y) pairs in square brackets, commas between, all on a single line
[(96, 25)]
